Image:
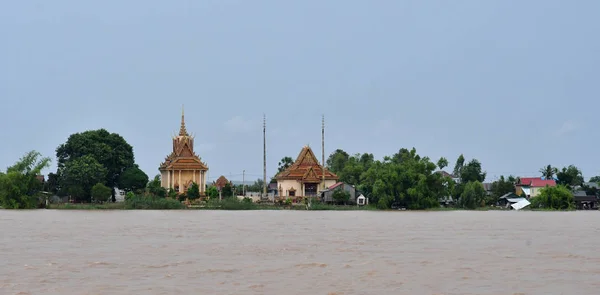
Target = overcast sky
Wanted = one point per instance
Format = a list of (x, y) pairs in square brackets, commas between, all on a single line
[(514, 84)]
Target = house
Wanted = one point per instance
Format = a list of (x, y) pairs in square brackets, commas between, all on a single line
[(327, 194), (446, 174), (362, 200), (305, 177), (531, 185), (583, 201), (509, 199)]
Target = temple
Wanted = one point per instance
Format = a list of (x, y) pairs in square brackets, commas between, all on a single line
[(183, 167), (304, 178)]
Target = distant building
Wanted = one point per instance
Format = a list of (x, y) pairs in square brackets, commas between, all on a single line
[(446, 174), (221, 182), (583, 201), (304, 177), (183, 167), (531, 186), (509, 199), (327, 194)]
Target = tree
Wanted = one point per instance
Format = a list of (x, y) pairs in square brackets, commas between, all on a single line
[(548, 171), (155, 188), (284, 164), (52, 184), (595, 179), (341, 196), (472, 172), (570, 177), (503, 186), (458, 166), (212, 192), (193, 192), (101, 192), (473, 195), (133, 179), (80, 174), (442, 163), (337, 161), (257, 186), (557, 197), (404, 180), (19, 186), (354, 167), (109, 149), (227, 191)]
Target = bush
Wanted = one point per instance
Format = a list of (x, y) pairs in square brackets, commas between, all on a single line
[(473, 195), (193, 192), (232, 204), (101, 192), (139, 202), (558, 198), (341, 196)]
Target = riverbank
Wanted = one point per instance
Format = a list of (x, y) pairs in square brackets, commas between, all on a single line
[(224, 205), (168, 204)]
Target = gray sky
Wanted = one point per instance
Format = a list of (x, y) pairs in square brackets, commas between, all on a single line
[(512, 83)]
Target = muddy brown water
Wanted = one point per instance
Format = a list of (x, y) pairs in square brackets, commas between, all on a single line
[(299, 252)]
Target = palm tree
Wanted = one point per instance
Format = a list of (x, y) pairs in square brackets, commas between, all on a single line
[(548, 172)]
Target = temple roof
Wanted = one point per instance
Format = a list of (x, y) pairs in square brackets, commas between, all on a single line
[(182, 130), (221, 182), (306, 168), (182, 163), (183, 156)]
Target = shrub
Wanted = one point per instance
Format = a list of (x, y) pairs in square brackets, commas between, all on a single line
[(559, 198), (193, 192), (232, 204), (139, 202), (101, 192)]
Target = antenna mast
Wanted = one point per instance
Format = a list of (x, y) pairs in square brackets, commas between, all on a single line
[(264, 156), (323, 148)]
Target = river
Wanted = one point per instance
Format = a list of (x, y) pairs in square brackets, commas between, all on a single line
[(299, 252)]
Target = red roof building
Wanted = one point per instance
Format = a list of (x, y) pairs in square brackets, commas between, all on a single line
[(531, 186)]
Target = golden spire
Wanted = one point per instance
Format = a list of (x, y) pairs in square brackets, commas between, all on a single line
[(182, 130)]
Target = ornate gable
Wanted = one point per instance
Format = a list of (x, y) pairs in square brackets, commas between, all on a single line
[(306, 167), (307, 158), (310, 174), (185, 150)]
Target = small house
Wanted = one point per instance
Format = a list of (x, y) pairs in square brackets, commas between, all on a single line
[(508, 199), (362, 200), (583, 201), (327, 194)]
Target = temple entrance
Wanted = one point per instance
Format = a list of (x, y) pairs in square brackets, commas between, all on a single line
[(310, 189)]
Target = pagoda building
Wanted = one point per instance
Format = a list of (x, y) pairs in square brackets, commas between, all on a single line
[(305, 177), (183, 167)]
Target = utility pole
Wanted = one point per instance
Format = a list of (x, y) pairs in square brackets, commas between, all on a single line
[(265, 157), (323, 148), (244, 182)]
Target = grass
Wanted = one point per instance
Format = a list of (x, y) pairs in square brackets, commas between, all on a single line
[(152, 203), (135, 203)]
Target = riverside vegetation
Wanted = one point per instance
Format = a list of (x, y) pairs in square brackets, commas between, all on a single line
[(92, 162)]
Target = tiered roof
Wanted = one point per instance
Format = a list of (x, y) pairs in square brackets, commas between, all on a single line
[(306, 168), (221, 182), (183, 156)]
